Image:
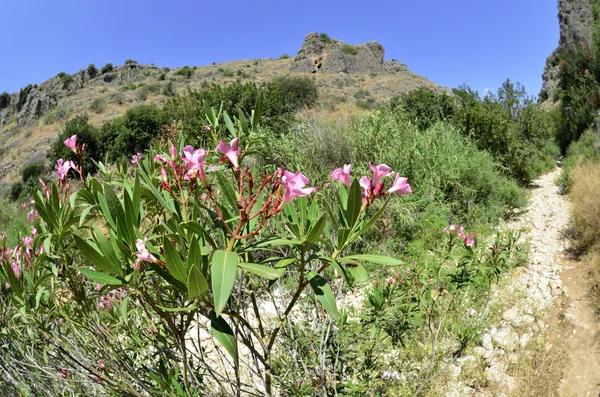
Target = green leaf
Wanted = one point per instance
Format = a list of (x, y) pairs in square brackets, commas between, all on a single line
[(276, 242), (174, 263), (324, 294), (98, 277), (197, 284), (263, 271), (229, 124), (371, 221), (379, 259), (95, 257), (224, 268), (228, 190), (358, 272), (124, 310), (224, 334), (178, 309), (354, 203), (316, 231)]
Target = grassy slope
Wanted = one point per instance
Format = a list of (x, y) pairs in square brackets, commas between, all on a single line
[(336, 98)]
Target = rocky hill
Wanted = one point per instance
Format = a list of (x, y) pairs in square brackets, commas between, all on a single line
[(575, 18), (351, 79)]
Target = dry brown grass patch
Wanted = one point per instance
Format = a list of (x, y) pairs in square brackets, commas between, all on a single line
[(585, 198)]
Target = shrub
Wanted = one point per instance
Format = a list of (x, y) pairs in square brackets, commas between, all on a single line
[(424, 106), (162, 77), (4, 100), (169, 89), (285, 56), (227, 72), (61, 75), (86, 134), (585, 199), (23, 94), (129, 87), (107, 68), (324, 37), (131, 62), (185, 71), (66, 80), (32, 171), (92, 70), (98, 105), (349, 49), (16, 189)]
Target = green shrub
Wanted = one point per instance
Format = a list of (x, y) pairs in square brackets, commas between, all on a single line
[(92, 70), (107, 68), (169, 89), (98, 105), (61, 75), (129, 87), (131, 62), (185, 71), (424, 106), (162, 77), (324, 37), (86, 134), (23, 94), (16, 189), (4, 100), (32, 171), (227, 72), (285, 56), (349, 49), (66, 80)]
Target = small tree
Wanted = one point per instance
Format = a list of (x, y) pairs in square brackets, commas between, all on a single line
[(130, 62), (92, 70), (107, 68)]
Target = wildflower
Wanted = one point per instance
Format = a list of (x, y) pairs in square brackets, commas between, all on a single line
[(400, 186), (231, 153), (72, 143), (16, 269), (294, 186), (342, 174), (135, 158), (379, 172), (62, 168), (143, 254), (194, 162)]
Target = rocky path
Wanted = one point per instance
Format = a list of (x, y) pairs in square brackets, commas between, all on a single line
[(545, 342)]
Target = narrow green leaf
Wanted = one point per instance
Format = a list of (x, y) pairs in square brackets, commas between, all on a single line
[(229, 124), (228, 190), (95, 257), (316, 231), (276, 242), (324, 294), (124, 310), (224, 334), (98, 277), (197, 284), (354, 203), (174, 263), (178, 309), (224, 268), (358, 272), (263, 271), (371, 221), (378, 259)]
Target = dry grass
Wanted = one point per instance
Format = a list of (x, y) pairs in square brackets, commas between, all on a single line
[(585, 198), (540, 373)]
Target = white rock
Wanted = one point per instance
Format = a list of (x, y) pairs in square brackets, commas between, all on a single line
[(511, 314), (506, 338), (524, 340), (486, 342), (522, 321)]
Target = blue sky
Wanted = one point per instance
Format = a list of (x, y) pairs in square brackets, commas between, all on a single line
[(480, 43)]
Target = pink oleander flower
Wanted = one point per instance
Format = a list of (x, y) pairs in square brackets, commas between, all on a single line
[(379, 171), (452, 228), (172, 151), (33, 231), (207, 127), (7, 285), (342, 174), (468, 239), (101, 363), (24, 205), (160, 157), (194, 162), (32, 215), (17, 269), (62, 168), (294, 186), (136, 158), (365, 184), (45, 188), (400, 186), (72, 143), (27, 240), (3, 236), (98, 287), (231, 152), (143, 254)]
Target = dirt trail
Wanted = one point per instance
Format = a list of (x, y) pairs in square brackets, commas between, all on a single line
[(573, 326)]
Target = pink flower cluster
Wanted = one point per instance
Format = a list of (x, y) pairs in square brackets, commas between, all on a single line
[(107, 302), (20, 256), (469, 239), (143, 254), (373, 187)]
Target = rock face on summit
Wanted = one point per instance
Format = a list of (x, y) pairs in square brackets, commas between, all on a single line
[(324, 55), (575, 18)]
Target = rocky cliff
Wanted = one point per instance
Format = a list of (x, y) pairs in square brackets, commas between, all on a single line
[(321, 54), (575, 18), (36, 100)]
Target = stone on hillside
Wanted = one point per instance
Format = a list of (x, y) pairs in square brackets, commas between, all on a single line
[(334, 56)]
